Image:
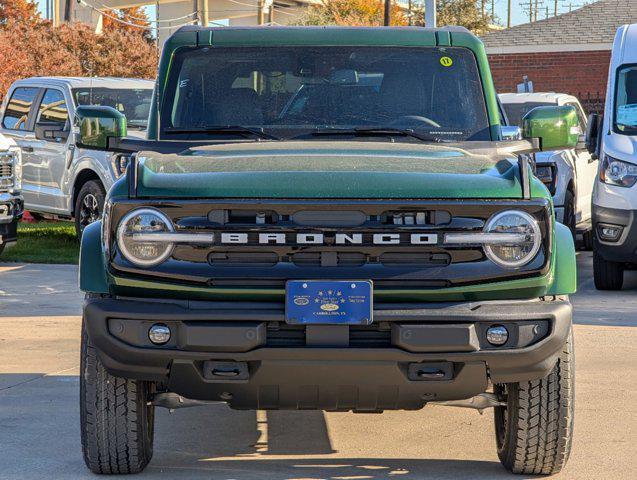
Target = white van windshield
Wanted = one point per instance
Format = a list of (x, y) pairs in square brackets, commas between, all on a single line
[(626, 101)]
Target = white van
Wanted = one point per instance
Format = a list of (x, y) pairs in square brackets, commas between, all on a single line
[(614, 140)]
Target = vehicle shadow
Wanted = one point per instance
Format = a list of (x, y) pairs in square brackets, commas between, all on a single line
[(220, 443)]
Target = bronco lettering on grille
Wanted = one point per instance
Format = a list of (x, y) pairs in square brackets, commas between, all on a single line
[(338, 239)]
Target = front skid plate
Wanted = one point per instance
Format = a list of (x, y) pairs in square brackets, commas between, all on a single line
[(328, 385)]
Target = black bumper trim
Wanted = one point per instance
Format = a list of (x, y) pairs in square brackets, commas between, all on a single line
[(367, 371), (625, 249)]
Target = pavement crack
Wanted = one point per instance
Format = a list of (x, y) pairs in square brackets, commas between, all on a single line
[(37, 378)]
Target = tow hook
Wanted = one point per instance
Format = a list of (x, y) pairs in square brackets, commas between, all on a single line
[(172, 401), (480, 402)]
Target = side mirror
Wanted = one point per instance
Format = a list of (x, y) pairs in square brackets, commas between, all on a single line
[(555, 127), (593, 137), (511, 132), (95, 125)]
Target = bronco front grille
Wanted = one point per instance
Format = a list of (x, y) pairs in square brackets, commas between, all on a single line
[(397, 244)]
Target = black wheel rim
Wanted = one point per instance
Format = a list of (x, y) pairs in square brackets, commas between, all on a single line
[(89, 210)]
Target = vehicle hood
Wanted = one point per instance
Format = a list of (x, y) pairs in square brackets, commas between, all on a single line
[(621, 147), (6, 143), (319, 169)]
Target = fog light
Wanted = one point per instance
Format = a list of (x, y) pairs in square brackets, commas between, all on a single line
[(609, 233), (159, 334), (497, 335)]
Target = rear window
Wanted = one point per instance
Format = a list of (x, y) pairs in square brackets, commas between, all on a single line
[(16, 115), (516, 111)]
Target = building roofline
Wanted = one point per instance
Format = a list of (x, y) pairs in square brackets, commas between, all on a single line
[(563, 47)]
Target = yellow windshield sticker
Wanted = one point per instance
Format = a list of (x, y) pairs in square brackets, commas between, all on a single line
[(446, 61)]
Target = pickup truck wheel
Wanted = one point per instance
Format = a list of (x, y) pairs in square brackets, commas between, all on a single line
[(607, 275), (569, 213), (534, 431), (89, 205), (116, 421)]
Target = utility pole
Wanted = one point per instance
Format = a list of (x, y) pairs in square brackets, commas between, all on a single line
[(409, 13), (508, 13), (260, 16), (387, 12), (555, 8), (430, 14), (530, 10), (483, 9), (493, 11)]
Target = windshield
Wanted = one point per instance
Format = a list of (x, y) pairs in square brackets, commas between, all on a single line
[(132, 102), (626, 101), (289, 91), (515, 111)]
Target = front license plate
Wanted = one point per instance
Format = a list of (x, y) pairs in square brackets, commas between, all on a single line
[(329, 302)]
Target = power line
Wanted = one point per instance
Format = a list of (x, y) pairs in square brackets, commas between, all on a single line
[(118, 11), (131, 24)]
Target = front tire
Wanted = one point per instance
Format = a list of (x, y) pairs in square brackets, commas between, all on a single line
[(534, 431), (89, 205), (607, 275), (569, 213), (116, 421)]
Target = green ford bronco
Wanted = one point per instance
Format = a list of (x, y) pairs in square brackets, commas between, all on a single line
[(327, 218)]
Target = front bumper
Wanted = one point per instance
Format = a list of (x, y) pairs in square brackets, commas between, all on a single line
[(245, 354), (11, 210), (625, 248)]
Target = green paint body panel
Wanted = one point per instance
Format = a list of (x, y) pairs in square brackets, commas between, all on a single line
[(555, 125), (335, 170), (93, 268)]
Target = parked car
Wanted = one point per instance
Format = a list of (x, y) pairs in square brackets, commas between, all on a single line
[(360, 249), (568, 174), (58, 179), (11, 205), (614, 140)]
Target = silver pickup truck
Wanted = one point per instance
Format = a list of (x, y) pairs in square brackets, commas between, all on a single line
[(57, 178)]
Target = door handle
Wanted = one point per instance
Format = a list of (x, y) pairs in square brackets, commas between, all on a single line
[(27, 149)]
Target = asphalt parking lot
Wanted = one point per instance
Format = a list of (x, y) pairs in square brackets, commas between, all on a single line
[(39, 419)]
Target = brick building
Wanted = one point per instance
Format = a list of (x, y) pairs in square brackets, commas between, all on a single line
[(569, 53)]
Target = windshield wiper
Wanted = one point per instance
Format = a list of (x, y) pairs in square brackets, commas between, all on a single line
[(222, 129), (373, 132)]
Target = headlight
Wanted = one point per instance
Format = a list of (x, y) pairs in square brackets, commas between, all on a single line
[(144, 221), (518, 253), (616, 172), (10, 170)]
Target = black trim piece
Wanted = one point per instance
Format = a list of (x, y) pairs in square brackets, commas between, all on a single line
[(462, 265)]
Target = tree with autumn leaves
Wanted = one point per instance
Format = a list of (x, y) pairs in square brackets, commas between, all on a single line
[(359, 13), (31, 46)]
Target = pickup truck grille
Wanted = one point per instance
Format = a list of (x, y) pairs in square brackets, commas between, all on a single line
[(6, 172), (397, 244)]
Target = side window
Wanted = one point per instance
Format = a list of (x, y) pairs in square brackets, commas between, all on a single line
[(16, 115), (53, 110)]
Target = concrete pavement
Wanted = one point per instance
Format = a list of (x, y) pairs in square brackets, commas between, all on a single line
[(39, 419)]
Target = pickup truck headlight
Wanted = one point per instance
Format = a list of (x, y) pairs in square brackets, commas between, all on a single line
[(617, 172), (139, 237), (521, 249), (10, 171)]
